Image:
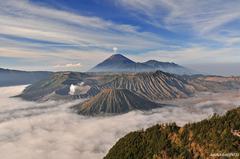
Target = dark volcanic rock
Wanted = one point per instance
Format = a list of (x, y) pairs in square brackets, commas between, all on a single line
[(155, 86), (57, 87), (115, 101)]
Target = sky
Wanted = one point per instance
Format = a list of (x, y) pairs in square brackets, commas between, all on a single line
[(76, 35)]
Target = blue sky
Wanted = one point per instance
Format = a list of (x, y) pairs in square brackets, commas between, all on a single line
[(75, 35)]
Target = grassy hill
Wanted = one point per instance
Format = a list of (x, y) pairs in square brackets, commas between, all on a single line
[(196, 140)]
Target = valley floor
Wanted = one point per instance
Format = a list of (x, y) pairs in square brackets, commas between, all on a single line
[(51, 130)]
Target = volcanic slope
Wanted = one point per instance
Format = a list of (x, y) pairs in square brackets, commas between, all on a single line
[(155, 86), (115, 101), (57, 86), (120, 63)]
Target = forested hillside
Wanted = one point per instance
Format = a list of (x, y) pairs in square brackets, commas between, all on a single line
[(196, 140)]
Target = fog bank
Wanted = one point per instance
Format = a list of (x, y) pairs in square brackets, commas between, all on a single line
[(51, 130)]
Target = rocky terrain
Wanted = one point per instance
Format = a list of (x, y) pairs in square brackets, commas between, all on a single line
[(57, 87), (119, 91), (115, 101), (153, 86)]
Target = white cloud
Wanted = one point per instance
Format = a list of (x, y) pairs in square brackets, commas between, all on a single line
[(32, 31), (40, 34), (64, 27), (51, 130), (205, 20), (201, 16), (193, 55), (68, 65)]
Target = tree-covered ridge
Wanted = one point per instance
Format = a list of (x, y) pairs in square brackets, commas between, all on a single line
[(196, 140)]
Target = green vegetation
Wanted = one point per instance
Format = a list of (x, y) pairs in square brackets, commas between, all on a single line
[(197, 140)]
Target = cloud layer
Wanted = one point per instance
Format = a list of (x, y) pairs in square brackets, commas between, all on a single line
[(201, 16), (51, 130), (63, 36), (71, 65), (36, 36)]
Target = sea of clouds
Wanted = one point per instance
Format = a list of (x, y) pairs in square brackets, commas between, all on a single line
[(51, 130)]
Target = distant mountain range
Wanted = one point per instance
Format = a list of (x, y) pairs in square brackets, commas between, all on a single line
[(115, 64), (152, 85), (15, 77), (217, 135), (118, 93), (120, 63), (119, 85), (158, 85)]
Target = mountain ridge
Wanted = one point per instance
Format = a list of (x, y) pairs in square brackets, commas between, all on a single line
[(154, 85), (11, 77), (57, 84), (120, 63)]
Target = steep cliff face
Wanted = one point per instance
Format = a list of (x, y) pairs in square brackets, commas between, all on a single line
[(115, 101), (155, 86)]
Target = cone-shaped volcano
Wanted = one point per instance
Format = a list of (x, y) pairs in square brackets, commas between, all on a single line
[(115, 101)]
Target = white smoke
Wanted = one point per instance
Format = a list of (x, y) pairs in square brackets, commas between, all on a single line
[(115, 49), (79, 89), (51, 130), (72, 89)]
